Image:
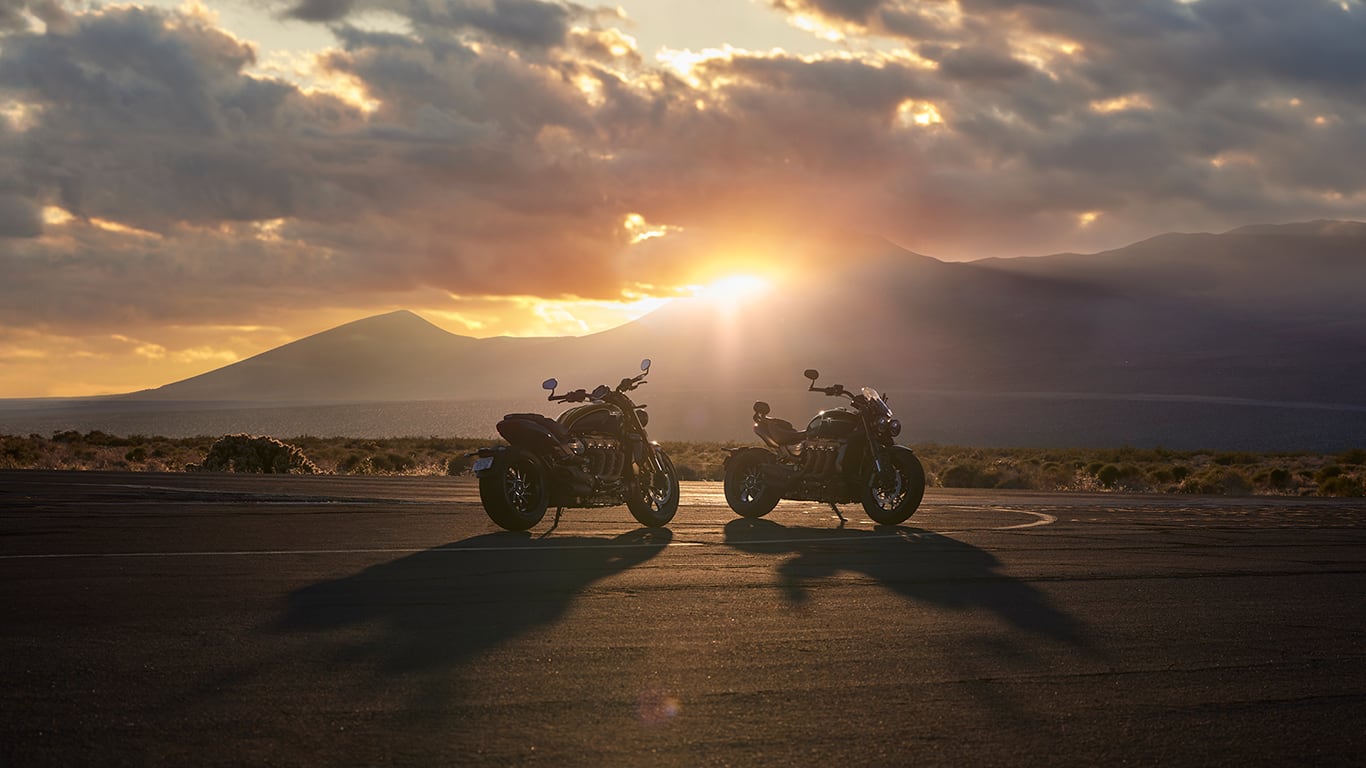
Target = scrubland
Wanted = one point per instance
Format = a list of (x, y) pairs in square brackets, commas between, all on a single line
[(1125, 469)]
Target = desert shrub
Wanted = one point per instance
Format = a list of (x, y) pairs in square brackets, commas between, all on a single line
[(459, 465), (19, 452), (966, 475), (249, 453), (698, 461), (136, 456), (1327, 473), (397, 462), (389, 463), (1053, 475), (348, 465), (1342, 485), (1161, 476), (1275, 479), (1356, 456), (1217, 480), (1234, 458), (1109, 474), (686, 472)]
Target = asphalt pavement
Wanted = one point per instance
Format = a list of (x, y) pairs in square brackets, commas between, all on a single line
[(195, 619)]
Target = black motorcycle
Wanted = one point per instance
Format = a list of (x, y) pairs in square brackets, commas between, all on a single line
[(843, 455), (593, 455)]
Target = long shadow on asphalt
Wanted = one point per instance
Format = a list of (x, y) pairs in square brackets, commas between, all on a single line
[(438, 607), (924, 566)]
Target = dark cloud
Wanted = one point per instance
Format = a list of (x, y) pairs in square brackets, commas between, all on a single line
[(321, 10), (533, 23), (19, 217), (502, 143)]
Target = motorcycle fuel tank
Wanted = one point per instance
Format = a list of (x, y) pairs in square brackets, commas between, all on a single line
[(834, 424), (596, 418)]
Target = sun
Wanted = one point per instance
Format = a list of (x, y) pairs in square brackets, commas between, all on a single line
[(734, 288)]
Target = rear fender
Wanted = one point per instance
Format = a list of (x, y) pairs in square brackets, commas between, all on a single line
[(482, 457), (736, 453)]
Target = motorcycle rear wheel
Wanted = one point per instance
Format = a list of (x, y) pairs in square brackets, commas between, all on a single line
[(653, 499), (747, 492), (513, 490), (892, 496)]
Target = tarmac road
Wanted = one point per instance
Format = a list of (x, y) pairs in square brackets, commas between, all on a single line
[(257, 620)]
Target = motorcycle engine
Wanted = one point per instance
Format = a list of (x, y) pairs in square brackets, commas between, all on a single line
[(603, 456), (821, 457)]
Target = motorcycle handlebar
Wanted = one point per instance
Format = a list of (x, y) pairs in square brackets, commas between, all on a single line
[(577, 396)]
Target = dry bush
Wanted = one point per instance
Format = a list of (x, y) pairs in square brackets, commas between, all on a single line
[(251, 453), (1125, 469)]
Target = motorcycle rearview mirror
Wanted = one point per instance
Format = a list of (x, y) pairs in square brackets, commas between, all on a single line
[(550, 384), (761, 408), (812, 373), (645, 365)]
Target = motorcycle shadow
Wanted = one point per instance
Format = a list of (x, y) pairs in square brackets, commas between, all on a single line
[(439, 607), (923, 566)]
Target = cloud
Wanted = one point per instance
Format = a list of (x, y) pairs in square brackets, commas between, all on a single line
[(19, 217), (530, 23), (499, 147)]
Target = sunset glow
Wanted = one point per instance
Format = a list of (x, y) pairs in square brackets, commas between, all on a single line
[(734, 288), (547, 167)]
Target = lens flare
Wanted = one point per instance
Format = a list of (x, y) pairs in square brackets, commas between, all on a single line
[(657, 707)]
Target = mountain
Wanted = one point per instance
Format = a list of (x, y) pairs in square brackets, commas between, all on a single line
[(1255, 336)]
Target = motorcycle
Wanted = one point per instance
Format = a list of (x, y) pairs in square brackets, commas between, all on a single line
[(592, 455), (843, 455)]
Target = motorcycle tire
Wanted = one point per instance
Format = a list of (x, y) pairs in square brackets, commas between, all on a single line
[(893, 496), (747, 492), (654, 502), (513, 490)]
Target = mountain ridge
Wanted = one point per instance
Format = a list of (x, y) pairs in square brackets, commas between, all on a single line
[(1127, 318), (1253, 320)]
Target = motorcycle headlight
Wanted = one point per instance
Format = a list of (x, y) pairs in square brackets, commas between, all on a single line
[(891, 427), (644, 418)]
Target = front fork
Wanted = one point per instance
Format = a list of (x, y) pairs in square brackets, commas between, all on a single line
[(875, 450), (650, 458)]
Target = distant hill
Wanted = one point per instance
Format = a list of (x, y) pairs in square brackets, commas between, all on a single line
[(1057, 348)]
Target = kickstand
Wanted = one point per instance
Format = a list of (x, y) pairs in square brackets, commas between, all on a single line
[(835, 508), (554, 524)]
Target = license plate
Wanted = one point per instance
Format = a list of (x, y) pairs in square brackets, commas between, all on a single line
[(482, 463)]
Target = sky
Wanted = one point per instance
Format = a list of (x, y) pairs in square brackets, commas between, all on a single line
[(183, 185)]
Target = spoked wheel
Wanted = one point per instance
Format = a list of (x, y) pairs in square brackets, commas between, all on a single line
[(747, 491), (513, 490), (893, 495), (653, 500)]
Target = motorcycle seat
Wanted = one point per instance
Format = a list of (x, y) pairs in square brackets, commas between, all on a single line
[(781, 430), (550, 425)]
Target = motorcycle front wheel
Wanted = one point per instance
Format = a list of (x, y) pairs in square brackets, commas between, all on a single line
[(892, 495), (513, 490), (653, 499), (747, 491)]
